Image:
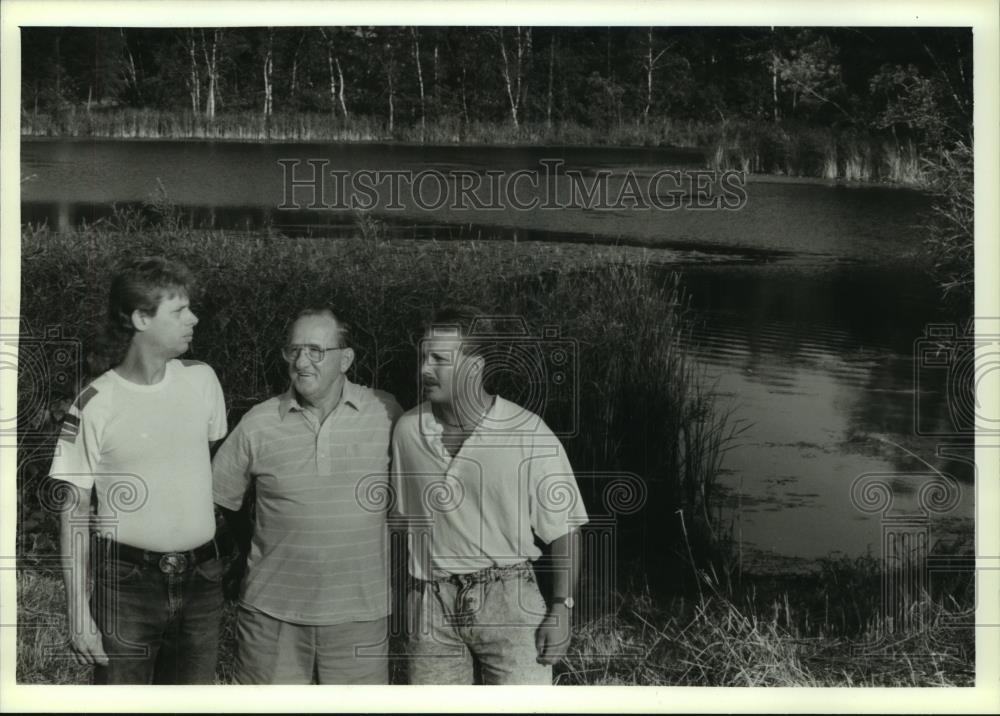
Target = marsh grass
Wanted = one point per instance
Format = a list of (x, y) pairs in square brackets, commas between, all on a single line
[(316, 126), (723, 638), (755, 147), (823, 628), (642, 409), (767, 148), (951, 236)]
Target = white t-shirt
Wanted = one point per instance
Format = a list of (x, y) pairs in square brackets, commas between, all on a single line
[(511, 480), (145, 450)]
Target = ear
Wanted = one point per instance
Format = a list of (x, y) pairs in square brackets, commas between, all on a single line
[(140, 320), (346, 359)]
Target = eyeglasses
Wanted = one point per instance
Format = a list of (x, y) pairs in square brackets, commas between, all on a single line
[(314, 353)]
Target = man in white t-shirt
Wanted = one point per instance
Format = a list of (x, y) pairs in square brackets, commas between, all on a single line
[(139, 437), (477, 479)]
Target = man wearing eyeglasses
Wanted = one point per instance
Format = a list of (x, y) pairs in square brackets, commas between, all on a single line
[(315, 599)]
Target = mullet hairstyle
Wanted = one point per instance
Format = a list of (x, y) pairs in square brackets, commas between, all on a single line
[(141, 285)]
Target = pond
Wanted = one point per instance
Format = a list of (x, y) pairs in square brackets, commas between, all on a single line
[(809, 300)]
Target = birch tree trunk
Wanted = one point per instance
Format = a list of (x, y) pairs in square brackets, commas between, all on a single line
[(437, 84), (329, 68), (211, 68), (513, 76), (774, 74), (268, 69), (774, 83), (194, 77), (465, 103), (130, 71), (340, 75), (552, 64), (294, 80), (420, 80), (649, 75), (336, 80), (651, 62), (392, 108)]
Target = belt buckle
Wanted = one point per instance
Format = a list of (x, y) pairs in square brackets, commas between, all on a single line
[(173, 563)]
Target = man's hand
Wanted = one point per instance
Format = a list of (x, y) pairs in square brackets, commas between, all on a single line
[(74, 548), (552, 637), (86, 644)]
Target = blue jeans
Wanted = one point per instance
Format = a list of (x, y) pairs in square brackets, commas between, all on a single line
[(158, 628), (487, 620)]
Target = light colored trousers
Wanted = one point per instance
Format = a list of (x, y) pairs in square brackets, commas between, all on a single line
[(272, 651), (487, 619)]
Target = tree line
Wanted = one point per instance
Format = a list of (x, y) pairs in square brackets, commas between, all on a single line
[(910, 83)]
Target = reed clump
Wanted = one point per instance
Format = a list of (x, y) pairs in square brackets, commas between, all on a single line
[(752, 146), (806, 631), (794, 151)]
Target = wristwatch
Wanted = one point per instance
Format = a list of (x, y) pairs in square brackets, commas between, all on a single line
[(568, 601)]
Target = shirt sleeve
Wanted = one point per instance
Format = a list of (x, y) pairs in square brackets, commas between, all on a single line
[(78, 449), (554, 502), (217, 425), (231, 470), (394, 469)]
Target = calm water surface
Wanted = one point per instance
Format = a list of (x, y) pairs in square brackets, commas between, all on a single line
[(809, 304)]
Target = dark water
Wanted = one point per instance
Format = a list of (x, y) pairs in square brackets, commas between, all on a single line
[(810, 305)]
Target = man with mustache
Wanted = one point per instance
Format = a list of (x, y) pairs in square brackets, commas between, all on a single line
[(478, 479), (315, 600), (139, 436)]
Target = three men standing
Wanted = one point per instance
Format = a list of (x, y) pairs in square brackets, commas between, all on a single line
[(477, 478), (315, 599)]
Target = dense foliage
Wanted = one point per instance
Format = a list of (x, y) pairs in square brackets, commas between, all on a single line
[(913, 84)]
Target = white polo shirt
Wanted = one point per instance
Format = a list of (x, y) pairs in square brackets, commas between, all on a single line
[(510, 481)]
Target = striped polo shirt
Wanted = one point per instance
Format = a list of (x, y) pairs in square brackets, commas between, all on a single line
[(319, 553)]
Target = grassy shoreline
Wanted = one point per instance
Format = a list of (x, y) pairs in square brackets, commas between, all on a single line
[(754, 147), (722, 638), (642, 409)]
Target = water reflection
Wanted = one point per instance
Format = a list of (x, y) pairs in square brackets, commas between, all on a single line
[(821, 366)]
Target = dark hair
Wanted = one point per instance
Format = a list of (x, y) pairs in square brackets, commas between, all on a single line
[(344, 332), (471, 323), (142, 284)]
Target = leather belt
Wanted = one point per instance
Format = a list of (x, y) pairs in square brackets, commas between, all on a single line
[(490, 574), (166, 562)]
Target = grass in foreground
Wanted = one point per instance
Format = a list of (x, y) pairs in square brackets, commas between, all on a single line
[(710, 641), (727, 640)]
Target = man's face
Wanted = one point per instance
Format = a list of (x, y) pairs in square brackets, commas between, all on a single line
[(171, 329), (315, 380), (445, 369)]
